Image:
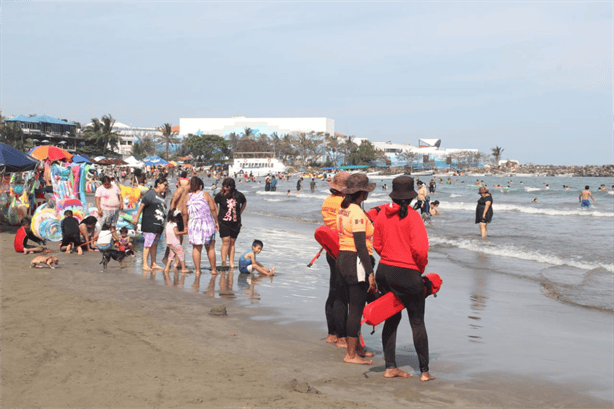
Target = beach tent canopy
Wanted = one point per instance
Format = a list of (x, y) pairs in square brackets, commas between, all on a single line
[(154, 161), (353, 167), (80, 159), (134, 162), (14, 160)]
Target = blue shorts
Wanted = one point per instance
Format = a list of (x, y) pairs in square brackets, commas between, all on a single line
[(585, 203), (104, 247)]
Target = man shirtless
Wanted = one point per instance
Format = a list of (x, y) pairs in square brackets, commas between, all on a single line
[(584, 196)]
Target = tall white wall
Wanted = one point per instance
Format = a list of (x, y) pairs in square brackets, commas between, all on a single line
[(220, 126)]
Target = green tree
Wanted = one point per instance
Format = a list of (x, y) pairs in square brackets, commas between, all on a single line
[(168, 137), (208, 148), (145, 145), (366, 154), (496, 153), (100, 136), (349, 149), (332, 146), (12, 134)]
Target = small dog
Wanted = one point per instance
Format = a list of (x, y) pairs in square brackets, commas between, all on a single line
[(49, 260), (118, 255)]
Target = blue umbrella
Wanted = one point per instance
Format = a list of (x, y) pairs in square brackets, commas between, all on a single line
[(14, 160), (80, 159)]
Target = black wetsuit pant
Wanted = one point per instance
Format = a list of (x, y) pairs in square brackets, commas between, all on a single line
[(329, 307), (408, 285), (352, 296)]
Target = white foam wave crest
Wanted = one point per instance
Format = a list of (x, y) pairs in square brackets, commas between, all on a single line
[(514, 252), (456, 195), (527, 209), (532, 189)]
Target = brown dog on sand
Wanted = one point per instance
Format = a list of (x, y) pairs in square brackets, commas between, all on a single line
[(49, 260)]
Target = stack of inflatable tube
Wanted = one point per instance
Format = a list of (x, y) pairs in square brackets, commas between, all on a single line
[(39, 217), (50, 229)]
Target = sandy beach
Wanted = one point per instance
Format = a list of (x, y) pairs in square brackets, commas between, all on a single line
[(80, 337)]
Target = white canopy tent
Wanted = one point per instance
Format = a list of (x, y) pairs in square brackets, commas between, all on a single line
[(134, 162)]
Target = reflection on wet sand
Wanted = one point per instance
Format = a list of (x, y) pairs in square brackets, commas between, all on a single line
[(478, 304), (219, 285)]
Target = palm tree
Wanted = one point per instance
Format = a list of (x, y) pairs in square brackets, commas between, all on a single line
[(109, 138), (496, 152), (168, 136), (100, 133)]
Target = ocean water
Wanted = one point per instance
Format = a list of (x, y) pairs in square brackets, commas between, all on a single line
[(565, 250), (568, 250), (534, 298)]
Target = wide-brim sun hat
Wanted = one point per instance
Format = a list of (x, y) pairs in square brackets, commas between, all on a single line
[(338, 182), (358, 182), (403, 188)]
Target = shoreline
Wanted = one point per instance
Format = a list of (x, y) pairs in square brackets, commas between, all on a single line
[(76, 336)]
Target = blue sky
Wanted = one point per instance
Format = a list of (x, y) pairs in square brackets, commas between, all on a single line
[(532, 77)]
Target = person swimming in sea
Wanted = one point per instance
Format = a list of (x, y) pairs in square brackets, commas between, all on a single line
[(584, 197)]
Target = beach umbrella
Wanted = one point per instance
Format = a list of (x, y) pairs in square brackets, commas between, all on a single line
[(14, 160), (49, 152), (62, 142), (80, 159)]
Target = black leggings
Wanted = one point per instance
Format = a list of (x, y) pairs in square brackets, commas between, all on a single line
[(329, 307), (407, 284)]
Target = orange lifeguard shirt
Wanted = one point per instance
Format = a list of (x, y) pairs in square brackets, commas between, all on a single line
[(330, 207), (353, 220)]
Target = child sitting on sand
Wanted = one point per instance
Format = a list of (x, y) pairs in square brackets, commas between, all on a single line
[(124, 240), (23, 235), (106, 238), (248, 263)]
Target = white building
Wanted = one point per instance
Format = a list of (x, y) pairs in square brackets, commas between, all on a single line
[(428, 150), (128, 136), (237, 124)]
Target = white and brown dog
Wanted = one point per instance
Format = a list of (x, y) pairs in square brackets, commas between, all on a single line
[(48, 260)]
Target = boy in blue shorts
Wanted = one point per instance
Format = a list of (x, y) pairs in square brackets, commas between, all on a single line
[(248, 263)]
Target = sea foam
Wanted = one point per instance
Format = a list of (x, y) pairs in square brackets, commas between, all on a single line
[(498, 207), (514, 252)]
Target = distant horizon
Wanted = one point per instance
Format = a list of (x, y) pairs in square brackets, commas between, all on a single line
[(533, 78)]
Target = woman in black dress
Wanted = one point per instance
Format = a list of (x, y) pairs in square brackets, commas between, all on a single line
[(483, 211), (231, 204)]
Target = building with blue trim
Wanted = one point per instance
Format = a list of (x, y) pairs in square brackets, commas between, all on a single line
[(44, 130)]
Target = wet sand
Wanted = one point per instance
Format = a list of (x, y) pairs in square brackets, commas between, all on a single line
[(80, 337)]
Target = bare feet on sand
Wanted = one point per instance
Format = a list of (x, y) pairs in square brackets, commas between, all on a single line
[(155, 266), (272, 271), (146, 268), (356, 360), (214, 272), (425, 376), (364, 353), (342, 343), (331, 339), (68, 248), (396, 373)]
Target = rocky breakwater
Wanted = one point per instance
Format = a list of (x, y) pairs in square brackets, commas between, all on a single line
[(551, 170)]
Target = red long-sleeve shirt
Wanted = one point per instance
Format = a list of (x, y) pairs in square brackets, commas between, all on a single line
[(401, 243)]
